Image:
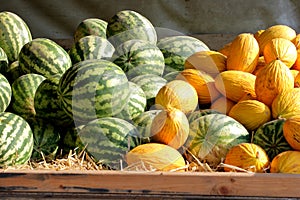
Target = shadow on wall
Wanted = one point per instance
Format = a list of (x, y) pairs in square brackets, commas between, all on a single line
[(58, 19)]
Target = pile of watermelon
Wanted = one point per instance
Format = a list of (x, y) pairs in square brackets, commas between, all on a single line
[(98, 95)]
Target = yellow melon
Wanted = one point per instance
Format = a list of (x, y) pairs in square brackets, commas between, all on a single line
[(244, 53), (251, 113), (155, 157), (286, 162), (291, 131)]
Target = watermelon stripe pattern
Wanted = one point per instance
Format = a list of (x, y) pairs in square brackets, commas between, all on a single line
[(270, 137), (45, 57), (138, 57), (5, 93), (91, 47), (23, 92), (3, 61), (176, 49), (16, 140), (108, 139), (14, 33), (92, 89), (90, 26), (127, 25)]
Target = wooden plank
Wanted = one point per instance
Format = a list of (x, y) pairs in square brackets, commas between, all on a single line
[(151, 183)]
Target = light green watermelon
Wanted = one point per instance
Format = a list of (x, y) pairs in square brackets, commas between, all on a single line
[(90, 26), (45, 57), (16, 140), (150, 84), (14, 33), (91, 47), (212, 135), (139, 57), (23, 92), (5, 93), (92, 89), (127, 25), (108, 139), (176, 49)]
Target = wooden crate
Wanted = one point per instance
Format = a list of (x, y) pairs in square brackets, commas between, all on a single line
[(143, 185)]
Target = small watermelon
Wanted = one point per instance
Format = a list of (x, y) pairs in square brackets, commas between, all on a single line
[(23, 93), (127, 25), (138, 57), (270, 137), (16, 140), (108, 139), (46, 137), (5, 93), (176, 49), (212, 135), (90, 26), (14, 33), (150, 84), (91, 47), (45, 57)]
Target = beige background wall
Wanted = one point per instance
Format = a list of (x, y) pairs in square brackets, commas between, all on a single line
[(59, 18)]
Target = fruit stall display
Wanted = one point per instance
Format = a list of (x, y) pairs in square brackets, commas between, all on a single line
[(123, 98)]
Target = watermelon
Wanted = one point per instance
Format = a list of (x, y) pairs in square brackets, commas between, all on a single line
[(45, 57), (46, 139), (3, 61), (170, 76), (16, 140), (108, 139), (212, 135), (136, 103), (150, 84), (23, 92), (14, 33), (13, 71), (138, 57), (270, 137), (91, 47), (91, 89), (199, 113), (176, 49), (46, 102), (143, 123), (90, 26), (127, 25), (5, 93)]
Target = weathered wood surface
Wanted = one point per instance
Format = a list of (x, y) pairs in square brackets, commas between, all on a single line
[(181, 184)]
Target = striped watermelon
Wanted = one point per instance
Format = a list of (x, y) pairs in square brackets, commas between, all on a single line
[(127, 25), (136, 103), (44, 56), (14, 33), (46, 102), (13, 71), (170, 76), (92, 89), (138, 57), (150, 84), (23, 92), (90, 26), (5, 93), (143, 123), (46, 137), (91, 47), (199, 113), (108, 139), (16, 140), (3, 61), (211, 136), (270, 137), (176, 49)]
